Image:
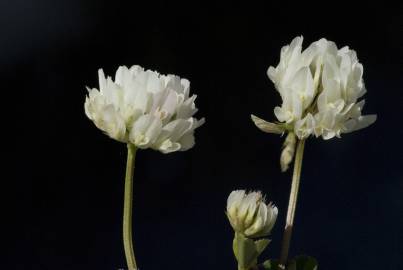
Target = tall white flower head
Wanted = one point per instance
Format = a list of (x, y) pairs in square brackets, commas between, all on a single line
[(249, 214), (144, 108), (320, 88)]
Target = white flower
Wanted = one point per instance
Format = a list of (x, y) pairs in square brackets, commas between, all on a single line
[(144, 108), (249, 214), (293, 79), (320, 88), (337, 109)]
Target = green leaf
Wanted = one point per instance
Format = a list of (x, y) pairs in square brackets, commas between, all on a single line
[(303, 262), (261, 244), (269, 265)]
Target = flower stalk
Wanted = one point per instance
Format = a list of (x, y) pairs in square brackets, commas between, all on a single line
[(128, 208), (292, 204)]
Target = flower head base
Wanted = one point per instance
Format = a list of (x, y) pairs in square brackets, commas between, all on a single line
[(249, 214), (144, 108), (320, 88)]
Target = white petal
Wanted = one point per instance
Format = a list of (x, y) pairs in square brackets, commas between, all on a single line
[(186, 87), (362, 122), (168, 146), (145, 131), (280, 114), (272, 74), (170, 103), (187, 141), (102, 80)]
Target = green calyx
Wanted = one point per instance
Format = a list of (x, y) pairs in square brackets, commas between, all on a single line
[(247, 250)]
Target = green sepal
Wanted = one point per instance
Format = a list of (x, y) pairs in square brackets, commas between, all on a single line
[(261, 244), (303, 262), (245, 251)]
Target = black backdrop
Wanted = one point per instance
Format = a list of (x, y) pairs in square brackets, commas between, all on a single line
[(67, 191)]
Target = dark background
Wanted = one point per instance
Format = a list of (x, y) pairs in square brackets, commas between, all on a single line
[(66, 192)]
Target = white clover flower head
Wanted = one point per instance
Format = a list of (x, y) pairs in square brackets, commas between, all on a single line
[(320, 88), (249, 214), (144, 108)]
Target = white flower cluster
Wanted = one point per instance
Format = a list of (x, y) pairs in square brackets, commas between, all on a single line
[(320, 88), (144, 108), (249, 214)]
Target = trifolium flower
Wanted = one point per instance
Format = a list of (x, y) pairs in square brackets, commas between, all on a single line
[(320, 88), (249, 214), (144, 108)]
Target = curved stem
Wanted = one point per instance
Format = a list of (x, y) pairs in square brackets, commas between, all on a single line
[(127, 208), (292, 204)]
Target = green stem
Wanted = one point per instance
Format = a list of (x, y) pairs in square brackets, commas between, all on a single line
[(292, 204), (240, 250), (127, 208)]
